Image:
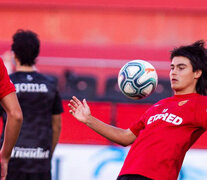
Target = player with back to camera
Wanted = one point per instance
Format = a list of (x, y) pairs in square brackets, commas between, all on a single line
[(165, 132), (41, 106)]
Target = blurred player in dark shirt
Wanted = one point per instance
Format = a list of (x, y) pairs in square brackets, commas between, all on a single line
[(41, 106)]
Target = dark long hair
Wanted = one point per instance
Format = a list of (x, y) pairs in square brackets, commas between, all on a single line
[(197, 54)]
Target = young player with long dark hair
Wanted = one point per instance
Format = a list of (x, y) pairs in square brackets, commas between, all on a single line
[(161, 137)]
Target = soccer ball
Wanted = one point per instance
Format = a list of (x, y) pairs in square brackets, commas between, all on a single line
[(137, 79)]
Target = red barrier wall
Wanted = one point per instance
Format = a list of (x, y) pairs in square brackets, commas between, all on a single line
[(121, 115)]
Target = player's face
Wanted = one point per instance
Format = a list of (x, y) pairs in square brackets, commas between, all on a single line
[(183, 79)]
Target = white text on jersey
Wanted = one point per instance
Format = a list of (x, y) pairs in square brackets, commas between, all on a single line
[(31, 87), (168, 117), (34, 153)]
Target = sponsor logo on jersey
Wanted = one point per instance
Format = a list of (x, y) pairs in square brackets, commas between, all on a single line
[(167, 117), (182, 102), (164, 110), (31, 87), (31, 153)]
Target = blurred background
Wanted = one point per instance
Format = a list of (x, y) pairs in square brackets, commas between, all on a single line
[(84, 43)]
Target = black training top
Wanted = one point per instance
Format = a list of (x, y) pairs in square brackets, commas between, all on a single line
[(39, 99)]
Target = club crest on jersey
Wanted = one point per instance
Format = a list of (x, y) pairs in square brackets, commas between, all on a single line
[(181, 103), (29, 77)]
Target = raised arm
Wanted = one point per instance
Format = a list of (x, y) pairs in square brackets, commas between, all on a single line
[(81, 111)]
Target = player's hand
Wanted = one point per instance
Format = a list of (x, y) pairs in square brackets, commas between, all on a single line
[(80, 110), (4, 167)]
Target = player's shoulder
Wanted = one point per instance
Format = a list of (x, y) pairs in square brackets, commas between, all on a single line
[(165, 100), (49, 78), (160, 103), (201, 99), (13, 76), (37, 76)]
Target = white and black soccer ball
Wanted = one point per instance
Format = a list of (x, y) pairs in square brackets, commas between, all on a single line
[(137, 79)]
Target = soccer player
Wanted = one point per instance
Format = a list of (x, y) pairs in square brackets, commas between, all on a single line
[(41, 106), (10, 104), (161, 137)]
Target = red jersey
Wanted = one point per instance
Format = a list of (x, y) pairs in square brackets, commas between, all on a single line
[(164, 134), (6, 86)]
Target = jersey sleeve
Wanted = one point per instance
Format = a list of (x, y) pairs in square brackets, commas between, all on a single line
[(138, 125), (57, 105), (6, 86), (201, 112)]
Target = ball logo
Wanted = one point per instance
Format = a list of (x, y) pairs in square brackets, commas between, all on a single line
[(148, 70)]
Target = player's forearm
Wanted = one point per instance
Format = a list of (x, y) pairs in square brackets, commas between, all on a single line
[(12, 129), (55, 139), (56, 129), (115, 134)]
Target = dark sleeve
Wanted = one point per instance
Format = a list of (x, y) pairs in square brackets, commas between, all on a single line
[(1, 110), (57, 105)]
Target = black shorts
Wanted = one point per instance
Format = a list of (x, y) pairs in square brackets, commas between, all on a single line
[(132, 177), (15, 175)]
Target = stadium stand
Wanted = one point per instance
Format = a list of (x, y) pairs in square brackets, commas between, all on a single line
[(81, 86), (112, 92)]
